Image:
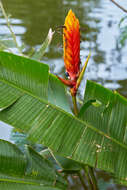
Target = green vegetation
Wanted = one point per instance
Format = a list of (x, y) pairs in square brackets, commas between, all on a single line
[(123, 30), (35, 103)]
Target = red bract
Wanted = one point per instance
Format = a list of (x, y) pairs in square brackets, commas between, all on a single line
[(71, 44)]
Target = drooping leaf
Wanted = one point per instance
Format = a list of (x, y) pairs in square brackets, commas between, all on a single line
[(98, 138), (30, 171), (12, 160), (23, 74), (15, 186), (8, 95)]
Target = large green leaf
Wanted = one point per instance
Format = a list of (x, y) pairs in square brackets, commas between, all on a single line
[(109, 117), (19, 171), (15, 186), (8, 95), (57, 94), (98, 138)]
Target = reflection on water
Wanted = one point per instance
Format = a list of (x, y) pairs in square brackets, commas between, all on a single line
[(99, 20), (5, 131)]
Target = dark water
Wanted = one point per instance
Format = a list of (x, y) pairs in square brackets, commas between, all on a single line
[(99, 20)]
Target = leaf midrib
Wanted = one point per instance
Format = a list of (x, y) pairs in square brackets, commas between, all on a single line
[(61, 110), (18, 181)]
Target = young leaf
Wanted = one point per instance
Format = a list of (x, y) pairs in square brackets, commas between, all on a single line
[(40, 52)]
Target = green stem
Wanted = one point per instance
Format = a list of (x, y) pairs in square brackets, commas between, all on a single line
[(9, 27), (94, 181), (75, 105), (82, 181), (86, 171), (76, 113)]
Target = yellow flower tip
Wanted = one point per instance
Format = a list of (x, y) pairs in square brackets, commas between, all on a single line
[(70, 13), (71, 19)]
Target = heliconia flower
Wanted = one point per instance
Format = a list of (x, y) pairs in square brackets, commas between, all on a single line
[(71, 44)]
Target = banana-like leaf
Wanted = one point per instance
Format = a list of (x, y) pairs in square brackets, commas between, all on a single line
[(30, 171), (109, 117), (97, 138), (15, 186)]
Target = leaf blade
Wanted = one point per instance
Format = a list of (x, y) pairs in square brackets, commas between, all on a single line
[(87, 140)]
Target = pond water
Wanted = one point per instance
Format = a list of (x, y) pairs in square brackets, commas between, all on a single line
[(99, 21)]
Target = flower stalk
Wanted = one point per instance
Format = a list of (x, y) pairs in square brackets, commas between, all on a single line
[(75, 105), (71, 44), (94, 181), (82, 181)]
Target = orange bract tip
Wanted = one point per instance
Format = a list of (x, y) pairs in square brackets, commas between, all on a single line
[(71, 43)]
